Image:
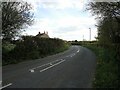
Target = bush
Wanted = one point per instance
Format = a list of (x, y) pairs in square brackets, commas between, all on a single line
[(106, 75), (32, 48)]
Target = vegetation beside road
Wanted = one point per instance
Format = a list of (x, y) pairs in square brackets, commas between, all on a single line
[(107, 67), (31, 48), (107, 47), (16, 17)]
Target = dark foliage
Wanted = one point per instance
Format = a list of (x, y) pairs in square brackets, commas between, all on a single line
[(32, 48), (108, 46), (15, 16)]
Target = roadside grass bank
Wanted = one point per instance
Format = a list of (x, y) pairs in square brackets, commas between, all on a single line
[(106, 75), (31, 48)]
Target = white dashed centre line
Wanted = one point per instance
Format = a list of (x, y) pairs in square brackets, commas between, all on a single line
[(33, 69), (51, 66), (6, 85)]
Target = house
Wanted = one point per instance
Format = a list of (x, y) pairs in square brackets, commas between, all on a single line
[(43, 35)]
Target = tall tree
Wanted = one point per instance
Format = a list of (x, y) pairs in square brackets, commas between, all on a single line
[(105, 9), (109, 20), (15, 17)]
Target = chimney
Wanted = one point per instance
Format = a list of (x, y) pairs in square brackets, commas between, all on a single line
[(47, 33)]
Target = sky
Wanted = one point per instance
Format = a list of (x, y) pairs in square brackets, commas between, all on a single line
[(64, 19)]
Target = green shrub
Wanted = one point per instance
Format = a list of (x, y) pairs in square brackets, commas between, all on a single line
[(32, 48), (106, 75), (33, 55)]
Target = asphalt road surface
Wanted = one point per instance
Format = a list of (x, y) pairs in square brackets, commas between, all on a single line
[(73, 68)]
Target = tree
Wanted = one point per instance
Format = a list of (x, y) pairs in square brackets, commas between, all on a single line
[(109, 20), (107, 31), (15, 17), (105, 9), (76, 41)]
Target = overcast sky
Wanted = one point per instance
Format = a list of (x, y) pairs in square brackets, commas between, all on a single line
[(65, 19)]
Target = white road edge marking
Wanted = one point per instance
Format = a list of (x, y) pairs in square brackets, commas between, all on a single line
[(51, 66), (32, 69), (6, 85)]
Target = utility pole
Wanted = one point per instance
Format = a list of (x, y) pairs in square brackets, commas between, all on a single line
[(83, 40), (83, 37), (90, 34)]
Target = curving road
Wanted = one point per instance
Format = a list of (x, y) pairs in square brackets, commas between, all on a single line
[(73, 68)]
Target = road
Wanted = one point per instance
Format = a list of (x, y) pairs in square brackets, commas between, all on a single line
[(73, 68)]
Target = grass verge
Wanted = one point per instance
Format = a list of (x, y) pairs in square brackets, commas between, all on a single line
[(106, 75)]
